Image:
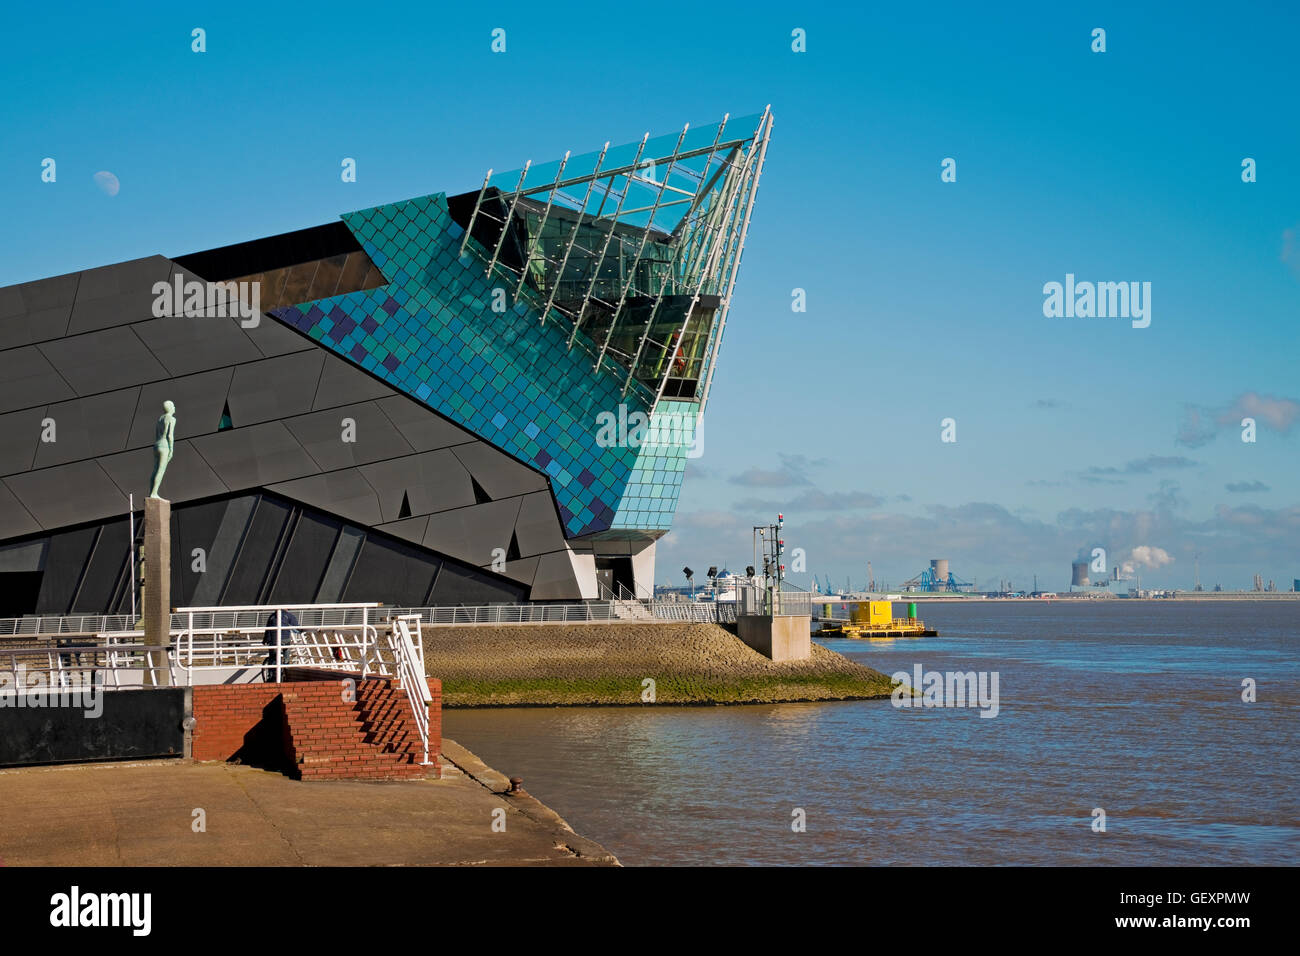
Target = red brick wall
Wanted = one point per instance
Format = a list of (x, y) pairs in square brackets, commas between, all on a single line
[(245, 719), (435, 718), (226, 715)]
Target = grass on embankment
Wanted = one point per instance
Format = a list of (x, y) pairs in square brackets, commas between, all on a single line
[(607, 663)]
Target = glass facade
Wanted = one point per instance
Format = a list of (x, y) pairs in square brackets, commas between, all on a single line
[(550, 297)]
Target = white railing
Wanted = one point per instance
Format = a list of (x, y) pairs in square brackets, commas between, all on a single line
[(716, 612), (76, 624), (111, 660), (239, 639), (621, 592), (757, 600), (588, 612), (251, 620), (513, 613), (408, 655)]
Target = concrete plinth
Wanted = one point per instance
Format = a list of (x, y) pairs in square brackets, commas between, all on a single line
[(781, 637), (157, 597)]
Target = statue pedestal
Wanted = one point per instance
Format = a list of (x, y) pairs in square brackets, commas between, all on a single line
[(157, 610)]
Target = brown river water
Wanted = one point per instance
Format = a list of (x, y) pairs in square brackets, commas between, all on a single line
[(1134, 709)]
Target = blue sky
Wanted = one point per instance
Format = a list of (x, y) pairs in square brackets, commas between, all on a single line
[(924, 298)]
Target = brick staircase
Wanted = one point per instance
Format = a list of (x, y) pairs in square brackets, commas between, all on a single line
[(371, 738)]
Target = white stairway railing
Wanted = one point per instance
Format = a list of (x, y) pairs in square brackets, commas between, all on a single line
[(408, 654)]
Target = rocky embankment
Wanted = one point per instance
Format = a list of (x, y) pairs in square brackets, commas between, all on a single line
[(609, 663)]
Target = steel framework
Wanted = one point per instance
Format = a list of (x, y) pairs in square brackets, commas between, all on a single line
[(633, 250)]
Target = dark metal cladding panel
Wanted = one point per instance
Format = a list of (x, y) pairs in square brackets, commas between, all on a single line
[(499, 474), (555, 578), (103, 361), (538, 527), (254, 456), (431, 482), (274, 388), (472, 534), (36, 311), (188, 476), (15, 519), (27, 379), (276, 338), (117, 294), (68, 494), (423, 429), (185, 345), (199, 400), (66, 559), (20, 437), (461, 585), (391, 572), (55, 292), (372, 436), (254, 560), (345, 553), (235, 517), (522, 570), (408, 529), (88, 427), (193, 527), (304, 563), (343, 384), (342, 493), (112, 553), (132, 724)]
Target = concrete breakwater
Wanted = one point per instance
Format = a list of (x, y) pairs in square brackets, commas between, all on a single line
[(611, 663)]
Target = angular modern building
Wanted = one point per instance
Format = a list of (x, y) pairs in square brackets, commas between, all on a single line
[(457, 399)]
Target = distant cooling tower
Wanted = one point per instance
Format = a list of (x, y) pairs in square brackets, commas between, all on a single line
[(1079, 574), (939, 566)]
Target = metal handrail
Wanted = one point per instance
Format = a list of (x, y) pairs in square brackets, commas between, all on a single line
[(56, 663), (410, 670), (252, 619)]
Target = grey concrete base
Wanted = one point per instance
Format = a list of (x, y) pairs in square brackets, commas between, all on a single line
[(781, 637), (157, 598), (143, 814)]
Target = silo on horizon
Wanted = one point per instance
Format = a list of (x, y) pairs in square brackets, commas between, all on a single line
[(939, 570), (1079, 574)]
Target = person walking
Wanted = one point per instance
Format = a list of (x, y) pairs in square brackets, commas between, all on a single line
[(279, 634)]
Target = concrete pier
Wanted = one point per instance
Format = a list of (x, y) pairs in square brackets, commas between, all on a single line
[(778, 637), (157, 596)]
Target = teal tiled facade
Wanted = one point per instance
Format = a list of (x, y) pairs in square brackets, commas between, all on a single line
[(650, 498), (506, 376)]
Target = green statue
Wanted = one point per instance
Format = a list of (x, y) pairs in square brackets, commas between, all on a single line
[(164, 446)]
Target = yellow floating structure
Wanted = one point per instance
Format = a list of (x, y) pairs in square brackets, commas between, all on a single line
[(876, 619)]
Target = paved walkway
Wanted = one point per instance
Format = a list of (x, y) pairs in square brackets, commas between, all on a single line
[(142, 814)]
